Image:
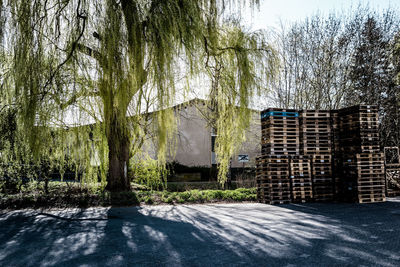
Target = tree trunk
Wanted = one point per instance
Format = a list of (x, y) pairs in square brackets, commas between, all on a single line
[(118, 156)]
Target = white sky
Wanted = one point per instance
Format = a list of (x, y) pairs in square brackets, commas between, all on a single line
[(273, 11)]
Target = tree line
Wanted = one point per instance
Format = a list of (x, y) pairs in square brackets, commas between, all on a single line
[(328, 62)]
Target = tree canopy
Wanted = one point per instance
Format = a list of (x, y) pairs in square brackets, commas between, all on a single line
[(108, 62)]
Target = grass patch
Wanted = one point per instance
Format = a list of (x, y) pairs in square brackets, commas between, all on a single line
[(62, 195), (197, 196)]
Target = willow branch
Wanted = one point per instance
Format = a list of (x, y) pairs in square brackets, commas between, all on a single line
[(74, 45), (89, 51)]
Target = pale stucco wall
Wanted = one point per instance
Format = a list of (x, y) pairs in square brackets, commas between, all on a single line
[(252, 145), (194, 138), (193, 142)]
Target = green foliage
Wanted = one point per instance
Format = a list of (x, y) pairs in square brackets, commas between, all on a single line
[(62, 194), (148, 172), (16, 165), (14, 176), (201, 196), (187, 186), (241, 64), (99, 61), (370, 70)]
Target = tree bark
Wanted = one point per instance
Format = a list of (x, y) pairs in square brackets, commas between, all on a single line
[(118, 156)]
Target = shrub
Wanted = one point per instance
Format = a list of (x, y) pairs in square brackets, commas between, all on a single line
[(185, 195), (148, 200), (195, 196), (186, 186), (148, 172), (14, 176), (62, 194)]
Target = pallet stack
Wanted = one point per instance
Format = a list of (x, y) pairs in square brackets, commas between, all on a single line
[(315, 135), (319, 155), (273, 184), (300, 179), (262, 189), (336, 152), (280, 132), (280, 140), (316, 142), (323, 183), (362, 176), (358, 127)]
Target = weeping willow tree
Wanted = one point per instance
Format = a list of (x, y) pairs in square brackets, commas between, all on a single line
[(241, 64), (106, 62)]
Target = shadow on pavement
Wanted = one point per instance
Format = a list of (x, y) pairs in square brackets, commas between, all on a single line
[(204, 235)]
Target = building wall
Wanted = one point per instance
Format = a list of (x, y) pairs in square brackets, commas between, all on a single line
[(252, 145), (194, 138)]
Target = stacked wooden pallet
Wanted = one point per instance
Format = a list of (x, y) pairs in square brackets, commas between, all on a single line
[(300, 179), (316, 141), (336, 153), (273, 184), (317, 155), (359, 130), (323, 184), (280, 139), (363, 177), (315, 130), (280, 132)]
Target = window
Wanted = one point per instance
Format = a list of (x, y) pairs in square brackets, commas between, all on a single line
[(213, 137)]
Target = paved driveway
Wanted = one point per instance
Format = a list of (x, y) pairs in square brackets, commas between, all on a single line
[(204, 235)]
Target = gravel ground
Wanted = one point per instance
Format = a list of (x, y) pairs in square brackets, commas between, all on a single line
[(204, 235)]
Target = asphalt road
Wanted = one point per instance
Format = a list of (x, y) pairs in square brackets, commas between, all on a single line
[(204, 235)]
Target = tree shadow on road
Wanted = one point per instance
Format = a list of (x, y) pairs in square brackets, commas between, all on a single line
[(204, 235)]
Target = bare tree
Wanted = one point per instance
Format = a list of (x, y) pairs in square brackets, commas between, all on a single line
[(317, 58)]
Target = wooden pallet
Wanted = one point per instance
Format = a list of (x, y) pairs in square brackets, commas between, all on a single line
[(277, 152), (321, 135), (323, 182), (357, 109), (284, 145), (274, 126), (365, 175), (278, 120), (280, 140), (315, 135), (307, 113), (313, 151), (273, 184), (300, 176), (372, 200)]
